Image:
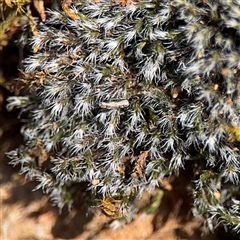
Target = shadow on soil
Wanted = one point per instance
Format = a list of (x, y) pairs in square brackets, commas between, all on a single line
[(178, 203), (70, 224)]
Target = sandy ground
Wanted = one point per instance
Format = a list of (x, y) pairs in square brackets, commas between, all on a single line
[(29, 215)]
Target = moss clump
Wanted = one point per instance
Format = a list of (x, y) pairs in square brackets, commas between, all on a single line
[(122, 96)]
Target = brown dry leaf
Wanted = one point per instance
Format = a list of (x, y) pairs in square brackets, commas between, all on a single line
[(33, 26), (108, 205), (32, 22), (39, 5), (9, 27), (125, 2), (137, 171), (40, 153), (65, 6)]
